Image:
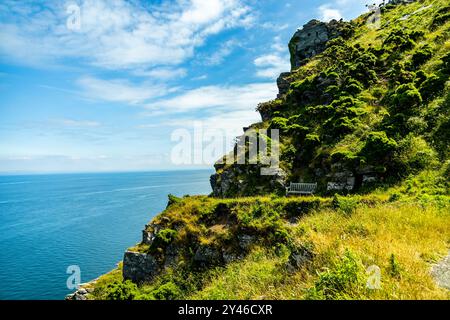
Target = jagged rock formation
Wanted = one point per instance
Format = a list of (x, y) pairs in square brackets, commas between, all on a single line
[(283, 84), (311, 40), (139, 267)]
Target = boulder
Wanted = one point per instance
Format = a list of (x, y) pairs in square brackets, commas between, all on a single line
[(207, 256), (139, 267), (299, 257), (245, 241)]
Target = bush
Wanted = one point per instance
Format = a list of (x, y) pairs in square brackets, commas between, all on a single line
[(407, 97), (378, 146), (340, 281), (394, 267), (279, 123), (399, 74), (167, 291), (416, 125), (431, 87), (163, 238), (172, 200), (415, 154), (400, 39), (421, 56), (345, 204), (441, 17), (121, 290)]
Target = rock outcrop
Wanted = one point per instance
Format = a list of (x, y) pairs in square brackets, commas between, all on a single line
[(312, 39), (283, 83), (441, 272), (139, 267)]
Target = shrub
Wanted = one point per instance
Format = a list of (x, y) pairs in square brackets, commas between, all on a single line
[(353, 87), (421, 76), (279, 123), (441, 17), (399, 74), (400, 39), (416, 124), (415, 154), (346, 204), (421, 56), (431, 87), (394, 267), (172, 200), (163, 238), (121, 290), (407, 97), (340, 281), (378, 146), (167, 291)]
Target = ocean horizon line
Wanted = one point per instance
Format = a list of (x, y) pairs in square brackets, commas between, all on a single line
[(45, 173)]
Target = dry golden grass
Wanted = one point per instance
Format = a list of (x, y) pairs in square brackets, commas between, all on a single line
[(415, 235)]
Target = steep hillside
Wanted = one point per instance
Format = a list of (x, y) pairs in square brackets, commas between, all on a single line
[(365, 113), (362, 106)]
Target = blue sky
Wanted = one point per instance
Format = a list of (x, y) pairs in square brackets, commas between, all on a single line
[(103, 88)]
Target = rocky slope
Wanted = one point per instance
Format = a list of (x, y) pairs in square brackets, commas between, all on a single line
[(362, 109), (362, 106)]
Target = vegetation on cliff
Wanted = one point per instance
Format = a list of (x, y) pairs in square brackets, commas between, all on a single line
[(295, 248), (372, 108)]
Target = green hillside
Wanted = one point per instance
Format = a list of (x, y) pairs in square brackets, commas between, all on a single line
[(369, 106), (374, 105)]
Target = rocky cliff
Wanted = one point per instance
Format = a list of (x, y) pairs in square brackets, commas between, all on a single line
[(356, 104), (360, 109)]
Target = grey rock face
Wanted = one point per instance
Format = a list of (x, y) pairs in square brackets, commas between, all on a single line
[(245, 241), (311, 40), (139, 267), (229, 256), (341, 180), (441, 272), (147, 237), (207, 256), (222, 183), (299, 258), (82, 293), (283, 84)]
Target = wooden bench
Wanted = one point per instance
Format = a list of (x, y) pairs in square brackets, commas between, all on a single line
[(301, 188)]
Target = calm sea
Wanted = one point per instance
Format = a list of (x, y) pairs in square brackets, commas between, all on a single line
[(50, 222)]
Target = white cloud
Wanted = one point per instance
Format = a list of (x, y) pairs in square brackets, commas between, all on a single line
[(115, 34), (328, 13), (119, 90), (201, 77), (271, 65), (162, 73), (78, 123), (219, 56), (226, 98)]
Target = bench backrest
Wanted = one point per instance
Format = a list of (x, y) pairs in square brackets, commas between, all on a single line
[(307, 187)]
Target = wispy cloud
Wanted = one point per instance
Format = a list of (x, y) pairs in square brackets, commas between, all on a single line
[(327, 13), (114, 34), (224, 98), (77, 123), (120, 90), (161, 73), (219, 56), (271, 65)]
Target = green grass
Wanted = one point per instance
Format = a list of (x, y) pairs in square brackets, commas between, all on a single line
[(388, 108), (348, 235)]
